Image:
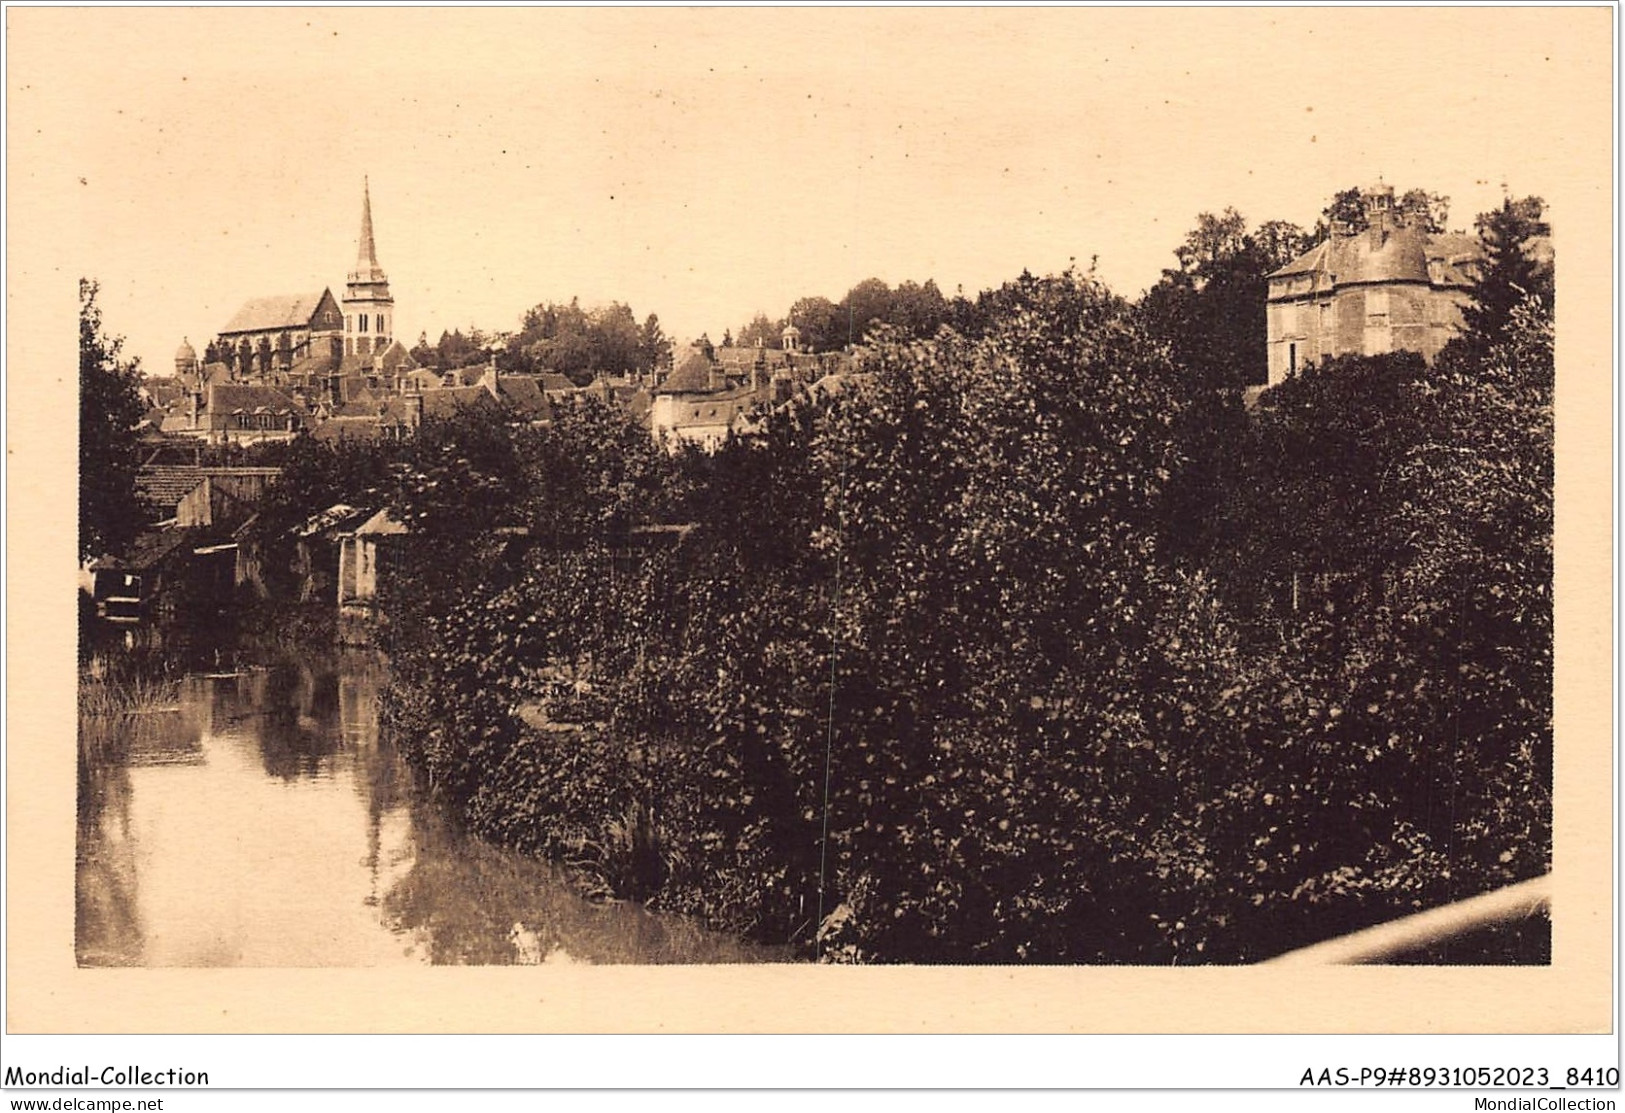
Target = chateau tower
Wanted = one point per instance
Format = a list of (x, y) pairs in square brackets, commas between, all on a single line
[(369, 311)]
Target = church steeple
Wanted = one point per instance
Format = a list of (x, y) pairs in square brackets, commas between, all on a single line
[(369, 311), (366, 259)]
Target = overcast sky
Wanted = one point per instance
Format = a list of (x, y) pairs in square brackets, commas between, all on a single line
[(704, 165)]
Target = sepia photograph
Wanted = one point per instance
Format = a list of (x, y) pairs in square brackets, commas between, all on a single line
[(1056, 493)]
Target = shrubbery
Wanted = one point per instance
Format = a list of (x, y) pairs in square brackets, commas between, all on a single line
[(938, 675)]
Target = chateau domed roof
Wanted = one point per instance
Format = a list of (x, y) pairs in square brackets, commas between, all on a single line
[(185, 353)]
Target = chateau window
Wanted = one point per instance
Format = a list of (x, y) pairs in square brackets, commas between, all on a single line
[(363, 327), (347, 326), (1291, 359)]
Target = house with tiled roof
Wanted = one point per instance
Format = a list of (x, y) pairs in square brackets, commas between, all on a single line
[(698, 405), (524, 398), (238, 413), (451, 401), (162, 487), (130, 587), (355, 428), (1391, 286)]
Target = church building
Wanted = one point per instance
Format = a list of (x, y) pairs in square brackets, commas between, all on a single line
[(269, 337), (315, 341)]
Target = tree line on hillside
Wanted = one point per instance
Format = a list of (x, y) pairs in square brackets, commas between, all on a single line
[(914, 309), (1032, 646), (578, 343)]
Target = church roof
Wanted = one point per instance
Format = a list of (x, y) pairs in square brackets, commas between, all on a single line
[(277, 312)]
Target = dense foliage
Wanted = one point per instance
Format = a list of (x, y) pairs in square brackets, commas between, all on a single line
[(109, 450), (954, 667), (911, 308), (1516, 269), (565, 339)]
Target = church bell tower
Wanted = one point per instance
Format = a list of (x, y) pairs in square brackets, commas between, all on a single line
[(369, 311)]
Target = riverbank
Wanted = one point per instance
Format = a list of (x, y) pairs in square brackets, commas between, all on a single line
[(257, 815)]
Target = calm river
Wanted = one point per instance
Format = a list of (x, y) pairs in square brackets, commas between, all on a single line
[(259, 818)]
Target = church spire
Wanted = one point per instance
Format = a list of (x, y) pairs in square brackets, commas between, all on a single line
[(366, 260), (369, 311)]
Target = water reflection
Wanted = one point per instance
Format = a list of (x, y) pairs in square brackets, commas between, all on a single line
[(255, 816)]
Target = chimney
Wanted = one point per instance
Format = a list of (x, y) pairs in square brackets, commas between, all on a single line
[(1379, 211)]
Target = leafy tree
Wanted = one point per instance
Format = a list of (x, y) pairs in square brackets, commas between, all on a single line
[(580, 343), (981, 712), (1211, 309), (616, 340), (921, 677), (422, 354), (865, 305), (822, 325), (1347, 208), (1432, 208), (917, 310), (1477, 597), (761, 332), (109, 409), (1386, 552), (655, 350), (1512, 270)]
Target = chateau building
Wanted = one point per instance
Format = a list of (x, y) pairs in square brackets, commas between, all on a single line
[(1392, 286)]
